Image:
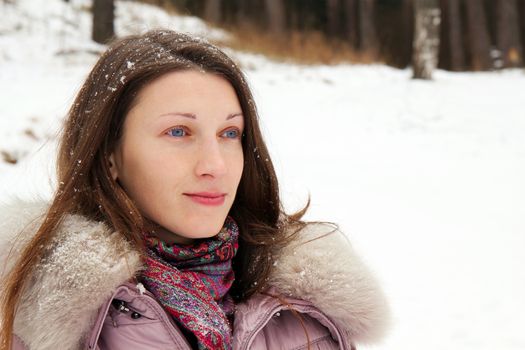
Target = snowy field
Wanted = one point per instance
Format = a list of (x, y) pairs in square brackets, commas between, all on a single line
[(426, 178)]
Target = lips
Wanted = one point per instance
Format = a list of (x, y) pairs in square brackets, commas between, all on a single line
[(207, 198)]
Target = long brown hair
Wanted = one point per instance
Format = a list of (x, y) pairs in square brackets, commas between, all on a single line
[(92, 130)]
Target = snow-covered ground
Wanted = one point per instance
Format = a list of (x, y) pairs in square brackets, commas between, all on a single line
[(426, 178)]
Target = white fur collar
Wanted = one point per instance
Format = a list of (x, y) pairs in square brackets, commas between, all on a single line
[(82, 271)]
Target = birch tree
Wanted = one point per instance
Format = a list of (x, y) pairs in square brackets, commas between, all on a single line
[(426, 38)]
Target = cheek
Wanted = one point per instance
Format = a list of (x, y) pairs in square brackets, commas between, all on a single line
[(238, 168), (153, 181), (144, 169)]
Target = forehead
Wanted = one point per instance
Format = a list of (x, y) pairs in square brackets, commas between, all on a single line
[(204, 95), (188, 86)]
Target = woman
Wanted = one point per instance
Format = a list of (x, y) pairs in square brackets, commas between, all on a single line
[(167, 231)]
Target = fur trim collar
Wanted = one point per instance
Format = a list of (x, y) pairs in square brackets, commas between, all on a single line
[(82, 271), (322, 268)]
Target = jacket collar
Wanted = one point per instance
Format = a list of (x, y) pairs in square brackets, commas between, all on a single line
[(83, 269)]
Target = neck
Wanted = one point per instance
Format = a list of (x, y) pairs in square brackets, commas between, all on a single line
[(169, 237)]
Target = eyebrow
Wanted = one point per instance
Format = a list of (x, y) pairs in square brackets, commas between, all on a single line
[(193, 116)]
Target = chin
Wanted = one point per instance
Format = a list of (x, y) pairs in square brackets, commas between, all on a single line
[(205, 230)]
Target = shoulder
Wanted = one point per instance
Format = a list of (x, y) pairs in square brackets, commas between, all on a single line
[(84, 264), (320, 266), (80, 246), (270, 319)]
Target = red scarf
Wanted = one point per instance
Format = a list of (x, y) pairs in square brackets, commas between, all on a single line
[(192, 283)]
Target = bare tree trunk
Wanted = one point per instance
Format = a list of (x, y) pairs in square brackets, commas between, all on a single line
[(426, 38), (332, 17), (407, 28), (521, 4), (350, 25), (508, 38), (242, 7), (367, 31), (454, 35), (275, 14), (478, 36), (103, 17), (212, 11)]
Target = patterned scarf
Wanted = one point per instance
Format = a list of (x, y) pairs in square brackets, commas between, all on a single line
[(192, 282)]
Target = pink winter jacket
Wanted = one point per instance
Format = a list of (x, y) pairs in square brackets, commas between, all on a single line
[(260, 323), (84, 294)]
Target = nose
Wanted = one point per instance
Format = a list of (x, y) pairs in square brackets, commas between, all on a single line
[(210, 160)]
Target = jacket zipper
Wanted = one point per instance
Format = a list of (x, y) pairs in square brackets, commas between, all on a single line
[(159, 311)]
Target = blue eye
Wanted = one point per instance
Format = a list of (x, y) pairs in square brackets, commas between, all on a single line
[(232, 134), (177, 132)]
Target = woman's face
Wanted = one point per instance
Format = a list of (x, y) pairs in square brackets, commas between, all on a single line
[(180, 158)]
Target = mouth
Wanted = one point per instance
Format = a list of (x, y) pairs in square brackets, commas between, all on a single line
[(207, 198)]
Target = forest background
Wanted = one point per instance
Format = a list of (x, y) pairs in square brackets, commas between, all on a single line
[(463, 35)]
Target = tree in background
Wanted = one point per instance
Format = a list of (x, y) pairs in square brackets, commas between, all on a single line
[(103, 17), (333, 17), (212, 11), (367, 42), (242, 15), (478, 40), (350, 22), (473, 34), (508, 38), (426, 38), (452, 51), (521, 10), (276, 17)]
